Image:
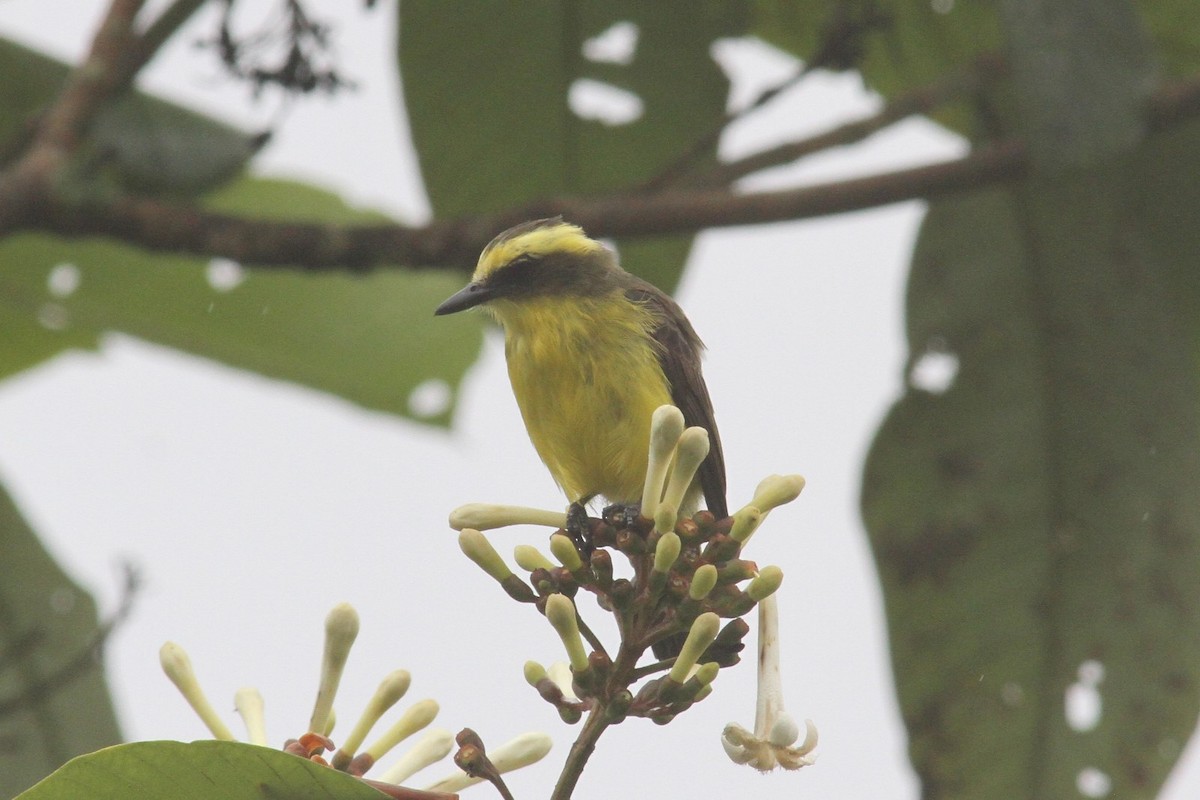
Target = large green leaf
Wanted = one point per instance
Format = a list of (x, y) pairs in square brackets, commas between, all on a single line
[(207, 770), (54, 701), (366, 338), (918, 42), (1037, 525), (140, 141), (487, 89)]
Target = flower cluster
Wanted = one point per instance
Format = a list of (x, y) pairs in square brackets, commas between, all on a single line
[(341, 629), (688, 576)]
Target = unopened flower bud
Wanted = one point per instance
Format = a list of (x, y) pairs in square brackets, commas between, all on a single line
[(477, 548), (526, 749), (765, 585), (248, 702), (432, 747), (666, 426), (178, 667), (341, 629), (745, 522), (530, 558), (534, 673), (562, 548), (702, 633), (703, 581), (691, 451), (418, 716), (390, 690), (776, 490), (487, 516), (666, 551), (560, 611)]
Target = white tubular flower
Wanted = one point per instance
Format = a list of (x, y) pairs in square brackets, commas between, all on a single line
[(666, 426), (691, 451), (341, 629), (391, 689), (703, 632), (530, 558), (417, 717), (178, 667), (477, 548), (526, 749), (560, 611), (560, 673), (772, 743), (429, 749), (486, 516), (249, 704), (776, 490), (562, 548)]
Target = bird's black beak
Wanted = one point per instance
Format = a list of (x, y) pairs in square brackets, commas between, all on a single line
[(469, 296)]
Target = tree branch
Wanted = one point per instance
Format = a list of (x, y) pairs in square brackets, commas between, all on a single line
[(924, 100), (25, 188), (162, 225)]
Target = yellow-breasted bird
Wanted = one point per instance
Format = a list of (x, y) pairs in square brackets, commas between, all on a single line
[(592, 351)]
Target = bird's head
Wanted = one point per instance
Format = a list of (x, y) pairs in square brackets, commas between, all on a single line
[(536, 259)]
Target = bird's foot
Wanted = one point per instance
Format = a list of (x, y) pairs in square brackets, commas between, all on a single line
[(579, 529), (623, 515)]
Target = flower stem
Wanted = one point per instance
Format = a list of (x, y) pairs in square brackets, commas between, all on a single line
[(581, 751)]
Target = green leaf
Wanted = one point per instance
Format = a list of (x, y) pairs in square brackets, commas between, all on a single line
[(921, 42), (1037, 524), (1082, 72), (139, 141), (488, 88), (365, 338), (208, 770), (54, 701)]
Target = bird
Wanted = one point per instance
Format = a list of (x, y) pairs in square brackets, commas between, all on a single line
[(592, 351)]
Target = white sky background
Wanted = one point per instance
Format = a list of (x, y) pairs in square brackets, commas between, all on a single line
[(253, 506)]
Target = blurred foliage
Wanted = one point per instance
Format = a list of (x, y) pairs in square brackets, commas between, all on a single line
[(494, 93), (53, 694)]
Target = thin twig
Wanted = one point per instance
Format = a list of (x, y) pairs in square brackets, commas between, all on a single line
[(924, 100), (84, 660)]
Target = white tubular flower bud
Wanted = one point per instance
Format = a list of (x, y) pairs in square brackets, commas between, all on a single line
[(765, 584), (391, 689), (560, 673), (526, 749), (530, 558), (418, 716), (477, 548), (666, 551), (249, 704), (691, 451), (562, 548), (341, 629), (665, 517), (703, 581), (704, 631), (745, 522), (534, 673), (776, 490), (432, 747), (560, 611), (666, 426), (178, 667), (486, 516)]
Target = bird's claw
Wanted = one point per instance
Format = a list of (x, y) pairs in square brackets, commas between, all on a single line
[(579, 529)]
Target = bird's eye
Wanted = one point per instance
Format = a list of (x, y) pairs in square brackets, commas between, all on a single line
[(522, 260)]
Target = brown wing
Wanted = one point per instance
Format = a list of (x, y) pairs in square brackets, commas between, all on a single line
[(679, 356)]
